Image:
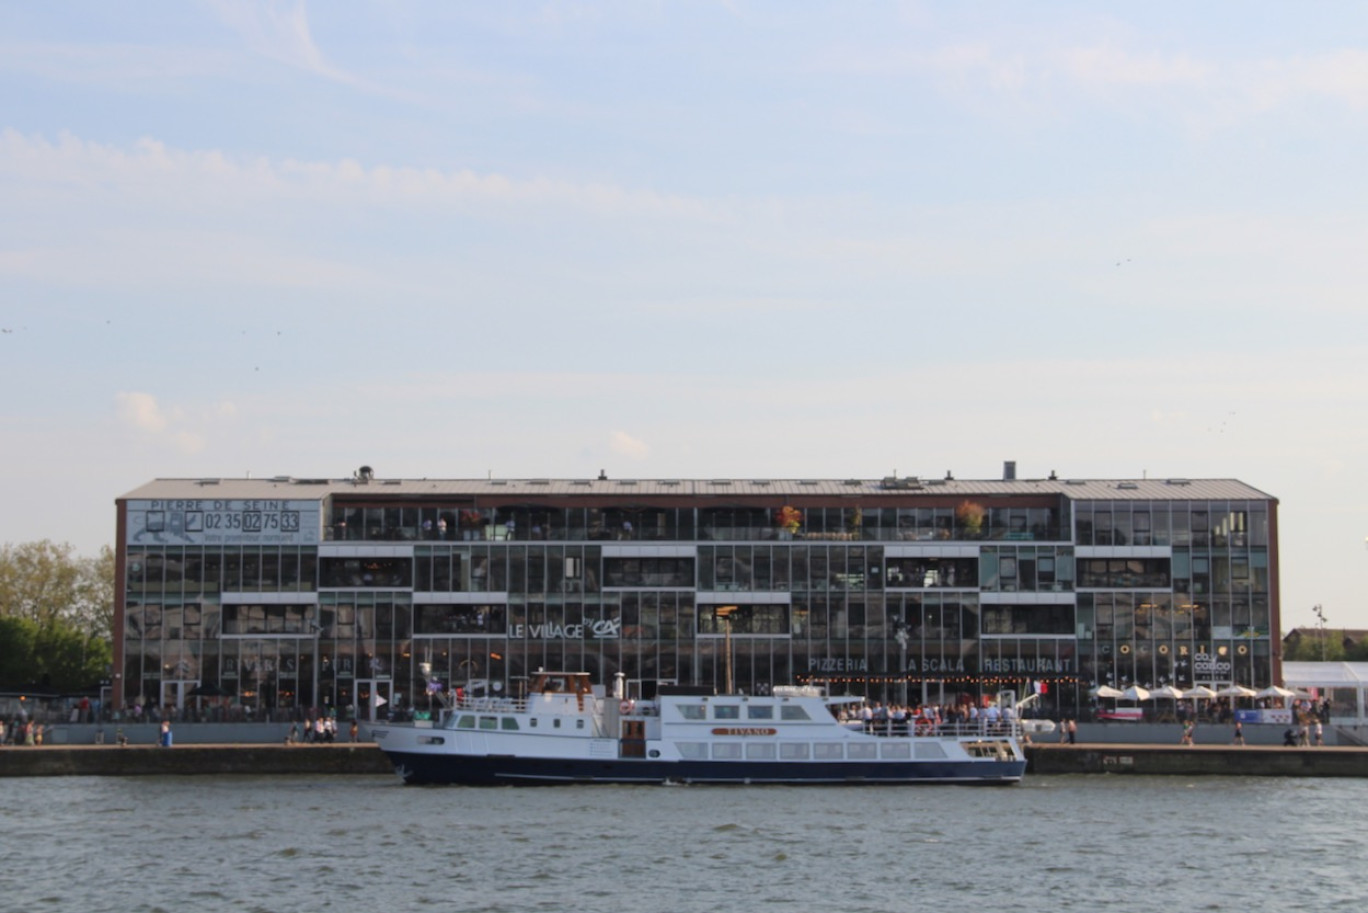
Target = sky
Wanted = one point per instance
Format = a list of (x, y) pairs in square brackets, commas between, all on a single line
[(688, 239)]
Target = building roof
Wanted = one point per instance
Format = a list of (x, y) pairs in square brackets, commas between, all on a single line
[(1325, 675), (291, 487)]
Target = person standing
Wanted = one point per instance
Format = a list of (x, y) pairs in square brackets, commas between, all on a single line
[(165, 734), (355, 730), (1239, 734), (1073, 732)]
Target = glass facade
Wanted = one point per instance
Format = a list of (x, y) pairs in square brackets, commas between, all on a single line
[(368, 604)]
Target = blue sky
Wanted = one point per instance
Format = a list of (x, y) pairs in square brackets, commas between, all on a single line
[(687, 239)]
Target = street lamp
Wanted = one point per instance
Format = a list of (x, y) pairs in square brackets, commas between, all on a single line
[(1320, 613)]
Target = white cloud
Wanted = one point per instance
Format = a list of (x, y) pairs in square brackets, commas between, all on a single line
[(279, 31), (141, 411), (623, 444), (191, 178)]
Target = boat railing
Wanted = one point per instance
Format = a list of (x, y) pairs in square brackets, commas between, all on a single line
[(490, 704), (914, 728)]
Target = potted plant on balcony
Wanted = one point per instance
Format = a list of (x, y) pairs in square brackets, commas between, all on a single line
[(789, 520), (970, 515)]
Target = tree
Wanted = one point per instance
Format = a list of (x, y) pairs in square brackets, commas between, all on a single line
[(46, 582), (56, 615), (1315, 645)]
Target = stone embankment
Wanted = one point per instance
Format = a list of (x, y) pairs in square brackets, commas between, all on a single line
[(145, 760), (1197, 760)]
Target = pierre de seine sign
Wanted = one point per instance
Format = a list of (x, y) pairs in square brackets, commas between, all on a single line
[(233, 521)]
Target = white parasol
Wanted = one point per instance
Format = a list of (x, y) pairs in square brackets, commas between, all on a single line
[(1168, 691), (1201, 691), (1106, 691), (1135, 693), (1236, 691), (1275, 691)]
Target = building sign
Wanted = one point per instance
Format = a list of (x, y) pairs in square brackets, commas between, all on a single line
[(589, 629), (828, 664), (1206, 666), (1022, 665), (237, 521)]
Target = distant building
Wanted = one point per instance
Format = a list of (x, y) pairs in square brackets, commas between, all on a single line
[(288, 593)]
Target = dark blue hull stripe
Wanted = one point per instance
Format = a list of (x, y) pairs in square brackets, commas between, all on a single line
[(485, 771)]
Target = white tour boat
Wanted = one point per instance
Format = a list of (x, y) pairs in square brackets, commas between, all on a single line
[(568, 730)]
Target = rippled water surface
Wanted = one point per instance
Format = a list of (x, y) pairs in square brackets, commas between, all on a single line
[(369, 844)]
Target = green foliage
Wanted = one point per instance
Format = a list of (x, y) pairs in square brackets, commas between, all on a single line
[(46, 582), (57, 655), (56, 615), (1316, 645)]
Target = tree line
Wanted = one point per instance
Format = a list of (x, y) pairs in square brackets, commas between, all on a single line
[(56, 616)]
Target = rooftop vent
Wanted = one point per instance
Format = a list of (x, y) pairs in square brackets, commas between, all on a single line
[(1179, 481), (1129, 486), (1009, 471), (207, 482)]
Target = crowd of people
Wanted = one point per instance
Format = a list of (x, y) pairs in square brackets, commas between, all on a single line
[(878, 718), (21, 730)]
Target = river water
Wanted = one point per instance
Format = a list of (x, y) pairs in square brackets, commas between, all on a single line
[(368, 844)]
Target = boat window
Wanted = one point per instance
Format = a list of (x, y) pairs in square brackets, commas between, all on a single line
[(555, 724), (760, 712), (827, 751), (467, 721), (760, 751), (489, 722), (793, 712), (692, 711), (508, 722), (793, 751), (862, 750), (729, 751), (930, 751), (432, 740), (693, 751), (895, 750), (579, 724), (532, 723), (726, 712)]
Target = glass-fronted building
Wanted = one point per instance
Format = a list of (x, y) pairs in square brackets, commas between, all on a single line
[(287, 595)]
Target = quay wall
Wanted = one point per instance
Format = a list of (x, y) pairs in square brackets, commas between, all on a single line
[(1196, 760), (150, 760)]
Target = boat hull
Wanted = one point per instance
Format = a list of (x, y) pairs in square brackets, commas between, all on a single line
[(429, 768)]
